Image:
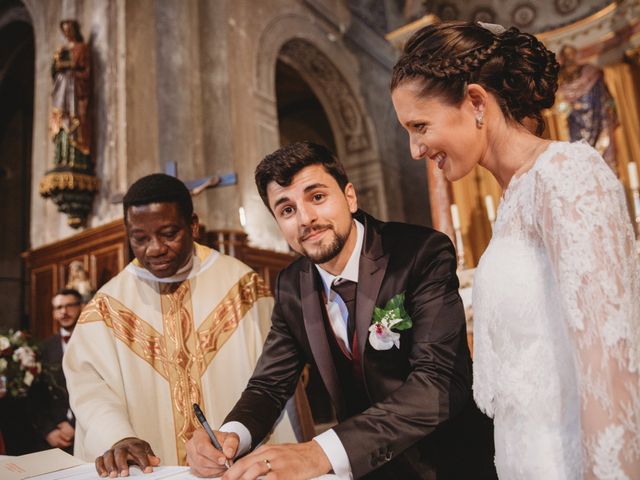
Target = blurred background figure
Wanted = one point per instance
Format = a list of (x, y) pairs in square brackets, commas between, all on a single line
[(584, 101), (52, 415)]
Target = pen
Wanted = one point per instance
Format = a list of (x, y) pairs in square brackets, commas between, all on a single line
[(203, 421)]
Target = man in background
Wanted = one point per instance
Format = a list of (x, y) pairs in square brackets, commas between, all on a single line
[(53, 418), (181, 324)]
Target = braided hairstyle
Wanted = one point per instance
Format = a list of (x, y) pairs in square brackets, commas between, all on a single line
[(514, 66)]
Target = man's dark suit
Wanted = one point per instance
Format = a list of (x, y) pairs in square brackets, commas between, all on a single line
[(421, 420), (50, 399)]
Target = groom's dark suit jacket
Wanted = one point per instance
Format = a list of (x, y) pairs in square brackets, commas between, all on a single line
[(421, 422)]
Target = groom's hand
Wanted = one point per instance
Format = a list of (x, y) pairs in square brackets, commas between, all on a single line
[(296, 461), (204, 459)]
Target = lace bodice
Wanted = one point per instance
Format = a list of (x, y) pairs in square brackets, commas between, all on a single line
[(557, 323)]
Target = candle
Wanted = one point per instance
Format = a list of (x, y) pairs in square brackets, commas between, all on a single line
[(633, 176), (455, 216), (243, 217), (491, 210)]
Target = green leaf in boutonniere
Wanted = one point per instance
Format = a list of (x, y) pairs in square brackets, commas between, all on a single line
[(387, 322)]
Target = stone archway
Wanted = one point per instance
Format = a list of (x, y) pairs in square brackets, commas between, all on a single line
[(348, 119), (330, 70), (336, 95)]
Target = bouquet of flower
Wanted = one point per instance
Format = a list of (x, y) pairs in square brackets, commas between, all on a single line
[(19, 364)]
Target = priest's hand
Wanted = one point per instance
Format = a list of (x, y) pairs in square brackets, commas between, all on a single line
[(207, 461), (296, 461), (128, 451)]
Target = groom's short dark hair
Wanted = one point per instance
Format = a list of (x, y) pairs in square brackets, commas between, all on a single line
[(283, 164)]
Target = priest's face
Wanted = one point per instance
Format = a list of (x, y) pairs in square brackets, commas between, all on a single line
[(160, 237), (315, 216)]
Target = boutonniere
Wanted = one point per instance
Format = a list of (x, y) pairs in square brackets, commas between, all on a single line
[(387, 322)]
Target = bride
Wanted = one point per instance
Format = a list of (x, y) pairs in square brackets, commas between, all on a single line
[(557, 292)]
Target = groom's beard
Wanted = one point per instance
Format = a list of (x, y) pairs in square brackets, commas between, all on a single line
[(324, 253)]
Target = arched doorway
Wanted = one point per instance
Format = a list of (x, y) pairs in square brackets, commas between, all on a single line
[(337, 110), (330, 72), (17, 63), (302, 117), (300, 113)]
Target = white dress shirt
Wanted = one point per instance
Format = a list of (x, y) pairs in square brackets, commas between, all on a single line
[(63, 333), (338, 316)]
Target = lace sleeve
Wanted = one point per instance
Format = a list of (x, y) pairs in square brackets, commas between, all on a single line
[(582, 217)]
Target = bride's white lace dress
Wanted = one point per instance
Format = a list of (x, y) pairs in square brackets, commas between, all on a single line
[(557, 323)]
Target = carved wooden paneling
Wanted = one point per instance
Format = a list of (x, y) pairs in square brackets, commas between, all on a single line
[(267, 263), (44, 282), (103, 251), (105, 263)]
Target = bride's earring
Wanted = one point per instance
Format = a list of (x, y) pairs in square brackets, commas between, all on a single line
[(480, 120)]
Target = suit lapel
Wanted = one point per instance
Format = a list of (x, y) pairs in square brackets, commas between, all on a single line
[(57, 349), (314, 326), (372, 268)]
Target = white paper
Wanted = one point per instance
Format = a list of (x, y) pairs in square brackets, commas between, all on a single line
[(87, 471), (33, 464)]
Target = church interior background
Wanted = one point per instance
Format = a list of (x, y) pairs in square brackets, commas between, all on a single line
[(205, 88)]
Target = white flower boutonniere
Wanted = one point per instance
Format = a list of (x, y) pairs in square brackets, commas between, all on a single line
[(392, 317)]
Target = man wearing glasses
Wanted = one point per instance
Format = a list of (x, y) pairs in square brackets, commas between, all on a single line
[(53, 417)]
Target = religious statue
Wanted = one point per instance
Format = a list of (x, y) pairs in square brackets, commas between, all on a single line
[(71, 182), (78, 279), (585, 102), (70, 125)]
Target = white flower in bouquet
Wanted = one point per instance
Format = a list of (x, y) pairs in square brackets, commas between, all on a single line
[(28, 378), (25, 356), (19, 365), (17, 337)]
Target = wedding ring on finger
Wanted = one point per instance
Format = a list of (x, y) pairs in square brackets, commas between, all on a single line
[(268, 465)]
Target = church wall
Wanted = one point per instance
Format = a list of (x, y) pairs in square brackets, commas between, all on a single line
[(405, 179), (99, 26), (179, 81), (217, 207)]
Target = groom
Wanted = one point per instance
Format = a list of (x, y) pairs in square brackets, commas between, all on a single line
[(401, 391)]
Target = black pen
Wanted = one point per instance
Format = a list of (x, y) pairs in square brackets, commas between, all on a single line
[(203, 421)]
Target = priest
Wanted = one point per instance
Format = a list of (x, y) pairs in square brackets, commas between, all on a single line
[(181, 324)]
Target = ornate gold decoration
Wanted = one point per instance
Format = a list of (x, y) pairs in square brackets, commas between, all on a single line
[(71, 191), (180, 354), (68, 181)]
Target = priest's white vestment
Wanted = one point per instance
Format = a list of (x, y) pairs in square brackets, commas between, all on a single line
[(145, 349)]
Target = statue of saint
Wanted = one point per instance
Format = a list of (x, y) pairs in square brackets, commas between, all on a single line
[(78, 279), (584, 100), (70, 123)]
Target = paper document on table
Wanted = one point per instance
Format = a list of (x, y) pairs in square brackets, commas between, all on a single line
[(28, 466), (87, 471)]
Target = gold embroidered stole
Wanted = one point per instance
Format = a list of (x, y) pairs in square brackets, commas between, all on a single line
[(181, 354)]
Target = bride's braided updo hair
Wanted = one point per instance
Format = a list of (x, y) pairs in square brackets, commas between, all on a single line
[(514, 66)]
